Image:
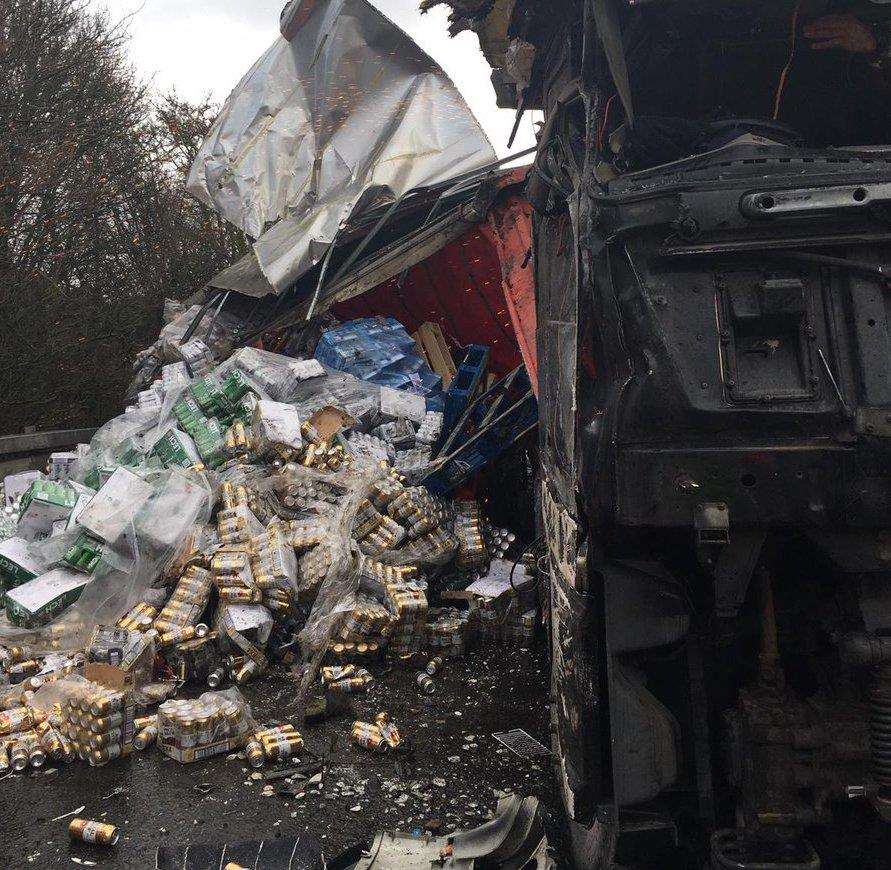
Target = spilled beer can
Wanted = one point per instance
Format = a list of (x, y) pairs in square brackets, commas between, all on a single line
[(88, 831), (368, 736), (254, 753), (145, 737)]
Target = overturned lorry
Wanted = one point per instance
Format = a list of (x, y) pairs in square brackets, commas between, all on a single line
[(710, 244)]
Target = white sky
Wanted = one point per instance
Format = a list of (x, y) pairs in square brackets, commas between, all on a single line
[(202, 47)]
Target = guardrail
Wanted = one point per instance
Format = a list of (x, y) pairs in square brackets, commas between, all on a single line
[(38, 442)]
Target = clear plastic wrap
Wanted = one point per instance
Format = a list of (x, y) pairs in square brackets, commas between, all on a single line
[(337, 594), (294, 381), (142, 552), (214, 723)]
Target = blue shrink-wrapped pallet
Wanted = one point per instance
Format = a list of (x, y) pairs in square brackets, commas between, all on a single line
[(379, 350)]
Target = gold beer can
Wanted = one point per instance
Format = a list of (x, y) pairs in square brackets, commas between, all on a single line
[(88, 831), (368, 737), (254, 753)]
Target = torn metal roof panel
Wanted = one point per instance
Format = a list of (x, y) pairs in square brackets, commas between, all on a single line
[(348, 114)]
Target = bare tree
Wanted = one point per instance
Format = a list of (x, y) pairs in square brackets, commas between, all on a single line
[(95, 226)]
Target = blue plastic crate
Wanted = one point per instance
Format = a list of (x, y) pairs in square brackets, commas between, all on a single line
[(464, 385), (486, 429)]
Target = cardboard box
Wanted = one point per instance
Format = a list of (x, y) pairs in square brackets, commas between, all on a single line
[(276, 425), (39, 600), (174, 447), (198, 753), (436, 351), (328, 421), (17, 565), (115, 506), (44, 502), (60, 464), (15, 485)]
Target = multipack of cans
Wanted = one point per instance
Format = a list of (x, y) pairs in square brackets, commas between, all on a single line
[(447, 630), (430, 430), (233, 575), (473, 553), (306, 534), (278, 743), (418, 511), (99, 721), (381, 735), (314, 566), (215, 723), (367, 620), (139, 618), (412, 462), (515, 626), (345, 679), (188, 601), (408, 604), (369, 447)]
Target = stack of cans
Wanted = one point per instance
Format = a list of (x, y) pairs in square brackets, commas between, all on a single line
[(234, 576), (314, 565), (368, 620), (309, 495), (84, 554), (100, 723), (386, 536), (368, 518), (232, 495), (140, 618), (188, 601), (437, 547), (473, 551), (499, 541), (409, 607), (278, 743), (306, 534), (275, 568), (369, 447), (447, 631), (237, 439), (350, 651), (412, 462), (400, 433), (418, 511), (430, 430), (386, 489), (515, 627), (210, 725)]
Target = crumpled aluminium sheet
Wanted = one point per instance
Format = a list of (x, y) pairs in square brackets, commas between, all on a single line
[(350, 109)]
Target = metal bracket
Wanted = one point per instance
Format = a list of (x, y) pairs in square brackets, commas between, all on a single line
[(712, 523), (734, 570)]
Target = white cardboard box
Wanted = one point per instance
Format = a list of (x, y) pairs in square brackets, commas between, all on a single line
[(114, 507)]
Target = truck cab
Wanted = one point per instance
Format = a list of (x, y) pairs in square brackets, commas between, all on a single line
[(711, 248)]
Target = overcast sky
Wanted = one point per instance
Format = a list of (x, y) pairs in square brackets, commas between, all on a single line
[(203, 47)]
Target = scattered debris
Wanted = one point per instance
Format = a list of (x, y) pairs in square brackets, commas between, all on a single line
[(524, 745), (68, 815)]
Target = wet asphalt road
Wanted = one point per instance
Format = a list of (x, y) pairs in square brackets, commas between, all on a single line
[(156, 801)]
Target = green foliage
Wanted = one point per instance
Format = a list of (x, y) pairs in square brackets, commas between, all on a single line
[(95, 225)]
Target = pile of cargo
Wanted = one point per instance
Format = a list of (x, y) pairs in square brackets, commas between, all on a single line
[(266, 510)]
